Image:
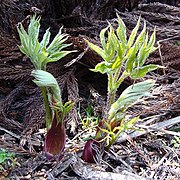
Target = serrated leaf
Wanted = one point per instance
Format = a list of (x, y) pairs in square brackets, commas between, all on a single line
[(133, 34), (46, 38), (121, 32), (103, 38), (131, 58), (140, 72), (130, 95), (102, 68), (97, 49)]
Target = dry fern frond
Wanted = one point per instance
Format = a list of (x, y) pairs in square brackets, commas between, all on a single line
[(157, 7), (73, 95), (170, 56)]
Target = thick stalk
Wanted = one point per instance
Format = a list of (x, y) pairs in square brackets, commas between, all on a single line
[(47, 108), (111, 91)]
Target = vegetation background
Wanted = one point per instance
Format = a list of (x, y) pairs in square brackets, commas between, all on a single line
[(22, 115)]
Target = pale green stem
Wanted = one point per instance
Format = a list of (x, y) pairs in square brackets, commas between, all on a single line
[(111, 91), (113, 85), (47, 108)]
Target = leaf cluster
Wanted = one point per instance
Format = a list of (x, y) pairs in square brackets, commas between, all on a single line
[(123, 57), (44, 51), (117, 51)]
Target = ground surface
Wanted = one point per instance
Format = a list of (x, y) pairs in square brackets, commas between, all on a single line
[(153, 154)]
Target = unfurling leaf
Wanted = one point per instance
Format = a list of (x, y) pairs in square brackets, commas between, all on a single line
[(46, 39), (45, 79), (103, 38), (131, 58), (130, 95), (102, 68)]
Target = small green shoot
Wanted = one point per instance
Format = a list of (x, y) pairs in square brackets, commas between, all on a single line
[(176, 142), (6, 158), (89, 120), (178, 43), (41, 53), (122, 57)]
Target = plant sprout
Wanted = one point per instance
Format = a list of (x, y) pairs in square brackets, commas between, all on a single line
[(41, 53), (122, 58)]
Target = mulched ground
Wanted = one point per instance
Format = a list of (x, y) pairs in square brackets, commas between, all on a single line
[(153, 153)]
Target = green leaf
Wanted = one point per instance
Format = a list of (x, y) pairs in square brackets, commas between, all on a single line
[(102, 68), (106, 131), (117, 63), (63, 109), (110, 49), (143, 52), (133, 34), (33, 29), (107, 125), (62, 46), (57, 41), (58, 45), (130, 96), (43, 56), (24, 39), (37, 47), (140, 72), (58, 55), (121, 32), (46, 38), (131, 58), (97, 49), (140, 39), (129, 124), (103, 38), (152, 39), (45, 79), (113, 38)]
